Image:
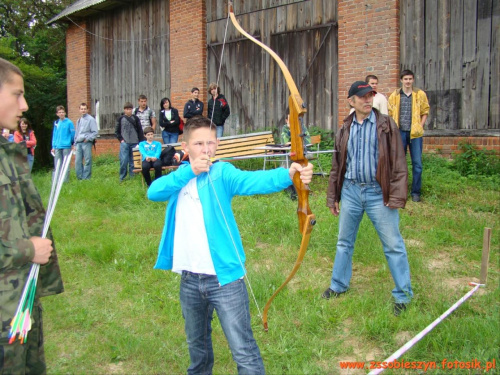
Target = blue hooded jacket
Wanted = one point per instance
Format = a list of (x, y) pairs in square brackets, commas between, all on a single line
[(228, 181), (63, 135)]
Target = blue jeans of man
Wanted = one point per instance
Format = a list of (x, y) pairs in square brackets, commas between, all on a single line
[(200, 295), (126, 159), (220, 130), (60, 154), (83, 154), (356, 199), (415, 145), (169, 137)]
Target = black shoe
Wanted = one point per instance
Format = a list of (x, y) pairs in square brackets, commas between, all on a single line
[(415, 198), (399, 308), (329, 293), (293, 196)]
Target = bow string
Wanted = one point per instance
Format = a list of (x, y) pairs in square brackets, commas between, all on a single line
[(297, 154)]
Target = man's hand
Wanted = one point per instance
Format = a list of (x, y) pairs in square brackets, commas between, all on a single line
[(153, 159), (335, 210), (306, 172), (201, 164), (43, 249)]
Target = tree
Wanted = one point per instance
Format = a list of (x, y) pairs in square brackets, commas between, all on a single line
[(39, 50)]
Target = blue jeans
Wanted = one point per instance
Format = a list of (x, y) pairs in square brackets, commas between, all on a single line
[(83, 153), (169, 137), (31, 159), (126, 159), (220, 130), (200, 295), (415, 145), (356, 199), (60, 154)]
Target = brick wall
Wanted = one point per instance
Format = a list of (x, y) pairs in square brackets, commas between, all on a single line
[(188, 51), (368, 44), (367, 30), (78, 68), (447, 146)]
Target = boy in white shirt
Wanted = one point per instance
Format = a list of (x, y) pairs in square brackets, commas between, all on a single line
[(201, 241)]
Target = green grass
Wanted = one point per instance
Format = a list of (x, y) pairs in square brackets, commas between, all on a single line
[(118, 315)]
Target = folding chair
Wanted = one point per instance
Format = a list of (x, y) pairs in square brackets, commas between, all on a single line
[(314, 145)]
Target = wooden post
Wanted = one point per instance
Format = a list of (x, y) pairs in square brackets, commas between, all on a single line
[(486, 255)]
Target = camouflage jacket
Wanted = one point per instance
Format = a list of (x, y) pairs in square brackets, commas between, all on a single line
[(21, 217)]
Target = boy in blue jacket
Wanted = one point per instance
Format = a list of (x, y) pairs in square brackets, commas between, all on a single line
[(63, 137), (201, 242), (150, 152)]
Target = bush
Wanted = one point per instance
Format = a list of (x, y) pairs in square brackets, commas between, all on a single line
[(327, 137), (472, 161)]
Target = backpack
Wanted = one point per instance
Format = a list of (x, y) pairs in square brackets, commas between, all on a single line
[(167, 155), (181, 125)]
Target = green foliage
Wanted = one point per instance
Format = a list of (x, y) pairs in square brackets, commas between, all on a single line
[(473, 161), (327, 137), (119, 315), (39, 50)]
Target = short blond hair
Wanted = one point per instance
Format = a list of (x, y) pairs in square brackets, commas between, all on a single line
[(7, 70), (212, 86)]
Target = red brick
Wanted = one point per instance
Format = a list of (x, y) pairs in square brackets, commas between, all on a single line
[(380, 30)]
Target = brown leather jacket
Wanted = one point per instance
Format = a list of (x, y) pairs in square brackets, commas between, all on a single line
[(392, 170)]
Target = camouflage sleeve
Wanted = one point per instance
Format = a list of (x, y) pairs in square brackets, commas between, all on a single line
[(15, 253), (285, 134)]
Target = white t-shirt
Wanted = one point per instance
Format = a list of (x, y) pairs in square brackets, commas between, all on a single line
[(380, 102), (191, 250)]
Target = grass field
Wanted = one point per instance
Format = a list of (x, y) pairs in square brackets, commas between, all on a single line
[(119, 316)]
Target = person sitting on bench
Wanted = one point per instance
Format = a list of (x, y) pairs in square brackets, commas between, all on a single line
[(150, 152)]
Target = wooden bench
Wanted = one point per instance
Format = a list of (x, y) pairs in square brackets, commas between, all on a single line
[(138, 159), (231, 148), (244, 146)]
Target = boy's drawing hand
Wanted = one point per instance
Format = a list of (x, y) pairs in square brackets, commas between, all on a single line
[(201, 164), (306, 172)]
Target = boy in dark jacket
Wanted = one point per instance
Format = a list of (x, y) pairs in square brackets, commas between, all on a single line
[(218, 108), (129, 132), (194, 106)]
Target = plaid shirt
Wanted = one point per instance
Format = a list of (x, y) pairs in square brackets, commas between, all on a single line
[(145, 116), (405, 114)]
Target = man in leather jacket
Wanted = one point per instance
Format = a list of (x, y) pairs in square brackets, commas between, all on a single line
[(369, 174)]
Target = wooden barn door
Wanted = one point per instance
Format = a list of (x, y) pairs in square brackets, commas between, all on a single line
[(453, 48), (129, 56), (254, 84)]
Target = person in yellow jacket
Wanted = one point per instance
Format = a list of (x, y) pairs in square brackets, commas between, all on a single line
[(409, 108)]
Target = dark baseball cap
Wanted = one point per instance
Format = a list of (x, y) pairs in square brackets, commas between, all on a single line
[(360, 88)]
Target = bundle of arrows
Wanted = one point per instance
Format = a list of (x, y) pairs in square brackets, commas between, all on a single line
[(21, 322)]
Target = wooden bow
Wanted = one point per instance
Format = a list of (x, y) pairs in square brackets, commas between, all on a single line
[(297, 109)]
